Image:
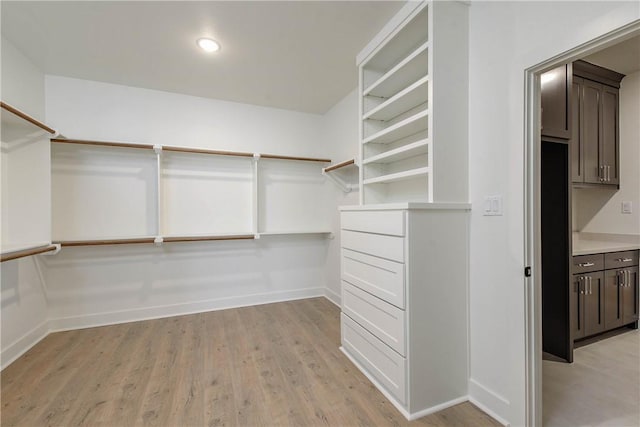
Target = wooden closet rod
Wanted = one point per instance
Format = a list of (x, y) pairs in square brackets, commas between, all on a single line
[(26, 117), (187, 150), (101, 242), (27, 252), (101, 143), (205, 238), (339, 165)]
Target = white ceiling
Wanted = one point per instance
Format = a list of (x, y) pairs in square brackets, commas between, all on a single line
[(623, 57), (296, 55)]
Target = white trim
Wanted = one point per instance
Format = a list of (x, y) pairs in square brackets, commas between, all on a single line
[(24, 344), (181, 309), (408, 415), (333, 296), (485, 398), (531, 219), (453, 206)]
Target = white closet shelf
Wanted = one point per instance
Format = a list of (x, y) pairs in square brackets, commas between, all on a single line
[(16, 251), (398, 176), (186, 150), (400, 153), (17, 117), (410, 97), (294, 232), (409, 69), (407, 127)]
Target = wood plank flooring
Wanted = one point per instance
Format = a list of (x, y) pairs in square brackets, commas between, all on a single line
[(600, 388), (275, 364)]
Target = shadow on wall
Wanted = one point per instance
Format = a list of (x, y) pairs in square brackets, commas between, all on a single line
[(589, 201)]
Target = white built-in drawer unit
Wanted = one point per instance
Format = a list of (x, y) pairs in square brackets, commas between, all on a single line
[(388, 247), (385, 321), (387, 366), (385, 222), (380, 277)]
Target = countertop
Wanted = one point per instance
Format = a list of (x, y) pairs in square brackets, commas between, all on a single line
[(593, 243)]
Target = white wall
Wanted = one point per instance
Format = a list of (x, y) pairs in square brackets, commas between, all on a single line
[(340, 132), (97, 285), (23, 306), (505, 39), (600, 210)]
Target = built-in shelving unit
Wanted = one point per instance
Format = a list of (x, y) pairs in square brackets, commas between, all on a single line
[(26, 222), (191, 197), (395, 110)]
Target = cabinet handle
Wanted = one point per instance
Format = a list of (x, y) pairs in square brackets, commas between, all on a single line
[(586, 264), (608, 173), (628, 279), (601, 173), (581, 285), (624, 259), (590, 285)]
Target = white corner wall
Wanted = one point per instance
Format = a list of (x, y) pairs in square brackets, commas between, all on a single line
[(600, 210), (99, 285), (23, 309), (505, 39), (340, 133)]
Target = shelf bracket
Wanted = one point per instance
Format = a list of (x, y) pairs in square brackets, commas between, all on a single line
[(158, 241), (56, 251), (347, 188)]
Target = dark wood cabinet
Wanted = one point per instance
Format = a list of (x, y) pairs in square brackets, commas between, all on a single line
[(594, 122), (555, 101), (604, 298), (587, 301)]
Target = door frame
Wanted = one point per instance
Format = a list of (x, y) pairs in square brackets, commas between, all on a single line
[(532, 236)]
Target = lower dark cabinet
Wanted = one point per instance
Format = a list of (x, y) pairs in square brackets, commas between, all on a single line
[(587, 301)]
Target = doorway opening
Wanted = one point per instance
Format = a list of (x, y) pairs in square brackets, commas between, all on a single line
[(533, 213)]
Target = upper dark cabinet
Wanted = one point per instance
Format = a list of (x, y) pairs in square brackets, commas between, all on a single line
[(595, 156), (556, 102)]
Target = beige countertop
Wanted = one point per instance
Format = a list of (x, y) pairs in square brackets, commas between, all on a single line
[(593, 243)]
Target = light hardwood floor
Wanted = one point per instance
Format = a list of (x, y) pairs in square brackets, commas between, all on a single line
[(275, 364), (600, 388)]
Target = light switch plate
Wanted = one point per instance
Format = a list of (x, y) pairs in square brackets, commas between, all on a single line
[(627, 207), (492, 206)]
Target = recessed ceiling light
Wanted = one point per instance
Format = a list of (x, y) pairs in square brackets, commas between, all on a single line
[(208, 45)]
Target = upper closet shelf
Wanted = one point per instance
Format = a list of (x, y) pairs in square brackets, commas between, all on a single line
[(187, 150), (403, 101), (402, 129), (400, 153), (410, 69)]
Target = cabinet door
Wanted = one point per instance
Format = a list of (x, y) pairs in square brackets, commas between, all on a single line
[(612, 298), (609, 134), (594, 303), (590, 131), (629, 296), (577, 164), (556, 102), (576, 299)]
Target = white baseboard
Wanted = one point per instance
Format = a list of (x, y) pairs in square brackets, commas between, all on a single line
[(157, 312), (408, 415), (23, 344), (488, 401), (332, 296)]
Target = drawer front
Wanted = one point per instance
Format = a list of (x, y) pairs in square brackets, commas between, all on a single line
[(586, 263), (388, 247), (382, 319), (620, 259), (384, 364), (379, 222), (380, 277)]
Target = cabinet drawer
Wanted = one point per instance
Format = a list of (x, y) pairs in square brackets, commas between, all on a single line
[(389, 247), (620, 259), (384, 364), (586, 263), (379, 222), (382, 319), (380, 277)]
